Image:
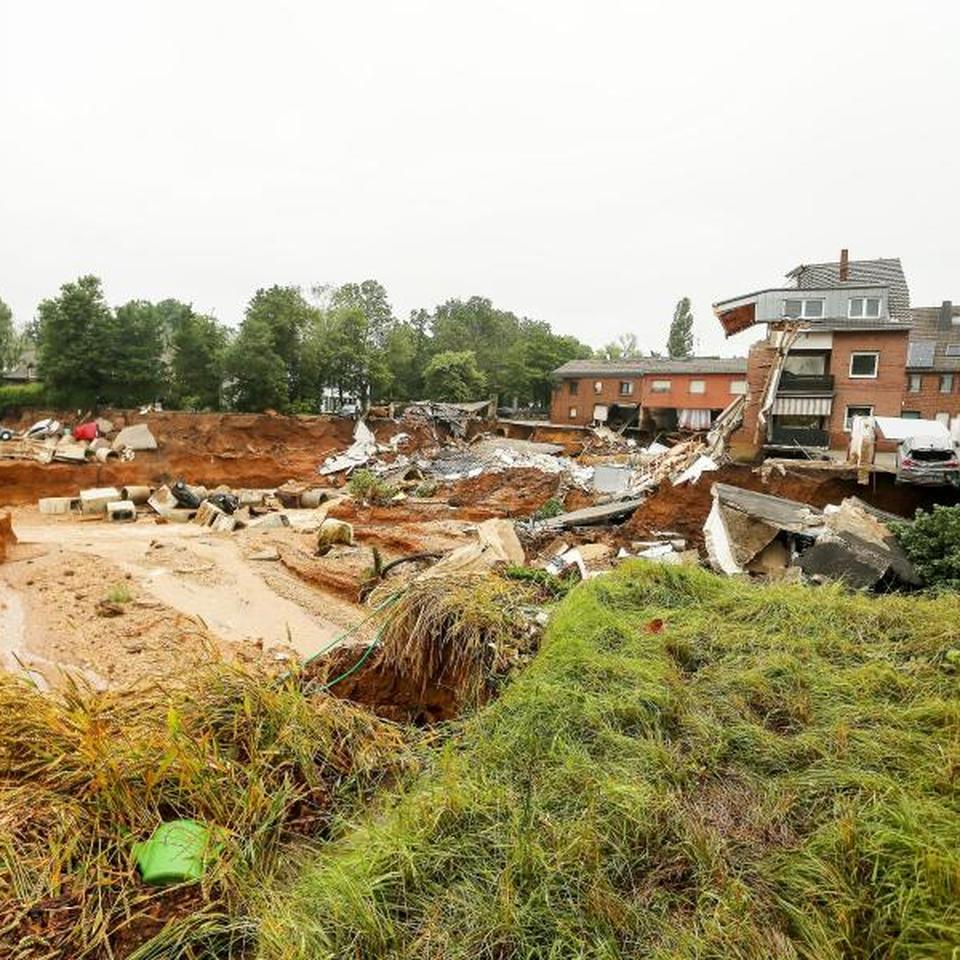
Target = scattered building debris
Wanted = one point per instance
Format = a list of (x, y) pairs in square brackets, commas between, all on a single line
[(748, 532), (95, 501)]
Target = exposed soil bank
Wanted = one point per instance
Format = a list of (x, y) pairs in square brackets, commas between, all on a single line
[(247, 450)]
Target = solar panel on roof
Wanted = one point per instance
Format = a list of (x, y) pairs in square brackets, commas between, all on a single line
[(952, 350), (920, 353)]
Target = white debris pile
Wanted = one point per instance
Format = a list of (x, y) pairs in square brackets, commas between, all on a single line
[(494, 455), (362, 452)]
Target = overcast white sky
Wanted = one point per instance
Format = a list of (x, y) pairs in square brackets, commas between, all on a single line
[(586, 163)]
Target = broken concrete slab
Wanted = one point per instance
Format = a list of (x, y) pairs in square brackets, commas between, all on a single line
[(70, 451), (207, 513), (497, 543), (272, 521), (121, 511), (136, 437), (269, 553), (225, 523), (605, 513), (162, 500), (742, 523), (55, 505), (859, 549), (859, 563), (95, 501)]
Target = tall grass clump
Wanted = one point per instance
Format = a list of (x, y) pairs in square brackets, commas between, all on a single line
[(692, 767), (83, 776), (462, 631)]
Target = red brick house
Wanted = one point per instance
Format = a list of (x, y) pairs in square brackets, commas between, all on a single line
[(841, 341), (650, 393)]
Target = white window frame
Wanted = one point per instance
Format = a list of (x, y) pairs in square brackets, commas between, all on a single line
[(911, 414), (738, 388), (803, 307), (876, 366), (702, 384), (910, 378), (573, 413), (946, 379), (598, 386), (848, 419), (952, 350), (864, 316), (629, 391), (661, 386)]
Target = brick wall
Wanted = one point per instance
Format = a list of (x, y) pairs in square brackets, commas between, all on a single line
[(744, 443), (587, 397), (930, 400), (717, 394), (884, 393)]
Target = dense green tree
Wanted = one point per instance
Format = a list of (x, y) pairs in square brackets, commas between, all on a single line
[(131, 356), (454, 376), (196, 350), (370, 298), (73, 349), (535, 354), (286, 316), (477, 326), (256, 376), (8, 337), (625, 347), (680, 341)]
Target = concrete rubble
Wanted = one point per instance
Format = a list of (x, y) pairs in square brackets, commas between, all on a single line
[(756, 533)]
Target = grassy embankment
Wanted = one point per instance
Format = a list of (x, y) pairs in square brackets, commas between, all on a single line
[(769, 772)]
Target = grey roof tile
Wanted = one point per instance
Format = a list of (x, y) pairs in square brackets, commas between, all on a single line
[(651, 365), (925, 327), (882, 272)]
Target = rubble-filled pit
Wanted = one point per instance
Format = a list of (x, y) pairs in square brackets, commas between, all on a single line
[(115, 604)]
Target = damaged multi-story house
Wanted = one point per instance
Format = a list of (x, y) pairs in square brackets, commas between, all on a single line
[(649, 394), (841, 341)]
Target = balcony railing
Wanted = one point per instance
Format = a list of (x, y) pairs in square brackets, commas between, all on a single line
[(798, 437), (805, 383)]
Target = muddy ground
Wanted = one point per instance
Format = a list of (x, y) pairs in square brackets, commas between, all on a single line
[(116, 604)]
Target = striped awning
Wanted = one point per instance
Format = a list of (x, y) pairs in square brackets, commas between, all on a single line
[(809, 406)]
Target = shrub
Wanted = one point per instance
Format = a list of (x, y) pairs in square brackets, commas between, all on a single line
[(119, 593), (17, 396), (366, 485), (426, 489), (932, 542), (550, 508)]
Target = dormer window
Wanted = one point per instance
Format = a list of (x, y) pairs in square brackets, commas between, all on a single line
[(864, 308), (803, 309)]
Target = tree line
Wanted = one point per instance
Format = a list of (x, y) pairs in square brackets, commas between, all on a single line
[(293, 348)]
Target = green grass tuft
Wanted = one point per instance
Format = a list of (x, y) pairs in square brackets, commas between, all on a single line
[(772, 772)]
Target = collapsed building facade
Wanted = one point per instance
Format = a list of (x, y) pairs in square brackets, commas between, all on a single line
[(842, 341)]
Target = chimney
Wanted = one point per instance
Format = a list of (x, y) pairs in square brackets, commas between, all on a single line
[(844, 265), (946, 316)]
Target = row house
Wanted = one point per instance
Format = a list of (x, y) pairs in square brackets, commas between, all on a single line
[(841, 341), (651, 393)]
